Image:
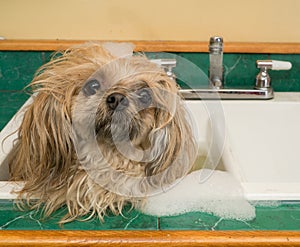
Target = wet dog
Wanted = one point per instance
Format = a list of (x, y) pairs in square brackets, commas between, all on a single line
[(103, 130)]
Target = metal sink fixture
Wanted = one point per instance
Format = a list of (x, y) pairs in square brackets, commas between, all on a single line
[(262, 90)]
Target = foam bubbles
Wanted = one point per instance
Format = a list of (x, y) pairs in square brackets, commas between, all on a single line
[(219, 194)]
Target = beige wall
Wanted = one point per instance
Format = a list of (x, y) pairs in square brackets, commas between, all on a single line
[(235, 20)]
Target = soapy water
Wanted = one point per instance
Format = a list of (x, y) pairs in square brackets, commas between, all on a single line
[(220, 195), (270, 204)]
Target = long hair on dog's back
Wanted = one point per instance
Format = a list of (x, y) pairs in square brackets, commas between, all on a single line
[(84, 101)]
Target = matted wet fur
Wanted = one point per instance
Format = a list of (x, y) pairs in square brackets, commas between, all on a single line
[(54, 157)]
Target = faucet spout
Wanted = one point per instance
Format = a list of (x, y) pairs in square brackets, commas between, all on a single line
[(216, 62)]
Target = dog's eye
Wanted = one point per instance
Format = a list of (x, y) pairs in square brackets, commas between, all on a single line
[(91, 87), (144, 96)]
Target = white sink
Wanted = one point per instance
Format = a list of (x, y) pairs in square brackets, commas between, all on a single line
[(257, 141), (263, 146)]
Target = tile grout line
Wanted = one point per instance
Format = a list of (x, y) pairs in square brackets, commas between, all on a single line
[(158, 223)]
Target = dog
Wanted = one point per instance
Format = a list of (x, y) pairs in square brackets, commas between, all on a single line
[(103, 131)]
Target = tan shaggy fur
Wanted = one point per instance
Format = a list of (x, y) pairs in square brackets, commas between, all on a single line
[(55, 153)]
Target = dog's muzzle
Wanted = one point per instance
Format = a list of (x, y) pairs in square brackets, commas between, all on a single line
[(117, 101)]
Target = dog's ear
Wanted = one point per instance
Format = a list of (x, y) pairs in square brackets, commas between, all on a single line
[(43, 153), (173, 149)]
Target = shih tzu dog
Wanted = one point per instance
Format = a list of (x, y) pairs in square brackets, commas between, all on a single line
[(104, 129)]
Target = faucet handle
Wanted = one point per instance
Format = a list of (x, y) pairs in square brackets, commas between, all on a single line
[(273, 64), (263, 79), (167, 65)]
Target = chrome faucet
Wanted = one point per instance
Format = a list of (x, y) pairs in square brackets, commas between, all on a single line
[(215, 90), (261, 90), (167, 65), (216, 62), (263, 80)]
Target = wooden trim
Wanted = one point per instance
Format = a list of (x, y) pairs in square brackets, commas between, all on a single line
[(156, 46), (149, 238)]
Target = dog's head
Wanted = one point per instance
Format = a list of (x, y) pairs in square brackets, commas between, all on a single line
[(126, 98), (129, 109), (100, 113)]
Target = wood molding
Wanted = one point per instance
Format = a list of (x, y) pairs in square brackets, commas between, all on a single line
[(156, 46), (149, 238)]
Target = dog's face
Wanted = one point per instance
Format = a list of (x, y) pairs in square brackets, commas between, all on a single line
[(101, 131), (124, 99), (124, 105)]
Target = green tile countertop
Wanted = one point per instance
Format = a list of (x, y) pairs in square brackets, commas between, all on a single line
[(283, 217), (10, 103)]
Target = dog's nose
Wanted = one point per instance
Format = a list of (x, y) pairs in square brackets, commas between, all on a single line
[(117, 101)]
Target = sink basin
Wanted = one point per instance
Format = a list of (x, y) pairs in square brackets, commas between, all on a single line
[(262, 147), (257, 141)]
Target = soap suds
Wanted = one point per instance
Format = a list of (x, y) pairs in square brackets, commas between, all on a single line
[(266, 204), (220, 194)]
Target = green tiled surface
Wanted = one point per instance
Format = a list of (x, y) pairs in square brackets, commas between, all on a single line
[(10, 103), (17, 70), (12, 219), (284, 217)]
